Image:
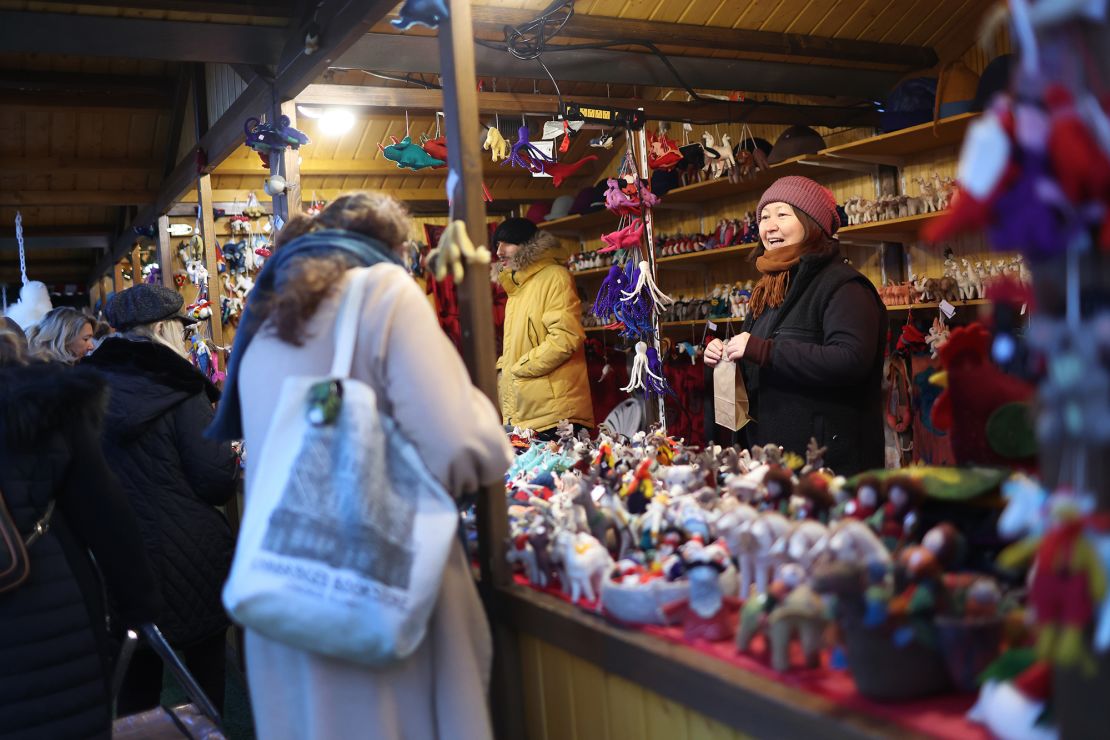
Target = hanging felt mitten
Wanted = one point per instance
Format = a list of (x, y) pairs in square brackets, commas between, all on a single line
[(639, 369), (409, 156), (496, 144)]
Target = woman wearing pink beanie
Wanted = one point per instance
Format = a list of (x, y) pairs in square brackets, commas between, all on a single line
[(811, 349)]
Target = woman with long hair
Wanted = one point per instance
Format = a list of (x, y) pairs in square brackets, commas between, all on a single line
[(420, 381), (811, 349), (175, 478), (64, 335)]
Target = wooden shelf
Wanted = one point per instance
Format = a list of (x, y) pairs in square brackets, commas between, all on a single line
[(591, 271), (895, 147), (955, 304), (707, 255), (890, 230), (700, 192), (582, 224), (672, 324)]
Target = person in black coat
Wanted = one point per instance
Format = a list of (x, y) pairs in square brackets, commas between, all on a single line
[(55, 652), (174, 477), (812, 345)]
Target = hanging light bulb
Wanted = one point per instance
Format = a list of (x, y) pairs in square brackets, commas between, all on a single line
[(336, 121)]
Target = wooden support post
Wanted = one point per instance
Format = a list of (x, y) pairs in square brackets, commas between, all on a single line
[(288, 165), (208, 234), (649, 235), (136, 264), (165, 252), (460, 98)]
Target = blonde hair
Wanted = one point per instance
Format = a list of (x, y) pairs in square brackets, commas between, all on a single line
[(167, 332), (47, 339), (13, 345)]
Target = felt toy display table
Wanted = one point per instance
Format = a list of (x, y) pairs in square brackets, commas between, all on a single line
[(738, 690)]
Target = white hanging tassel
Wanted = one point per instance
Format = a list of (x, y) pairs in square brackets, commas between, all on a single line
[(639, 367), (658, 297)]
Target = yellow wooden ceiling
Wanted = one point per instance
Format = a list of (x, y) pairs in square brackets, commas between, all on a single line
[(69, 168)]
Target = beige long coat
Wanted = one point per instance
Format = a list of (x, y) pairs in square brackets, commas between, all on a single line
[(439, 691)]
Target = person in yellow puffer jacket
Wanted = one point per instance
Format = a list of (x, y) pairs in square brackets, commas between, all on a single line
[(542, 371)]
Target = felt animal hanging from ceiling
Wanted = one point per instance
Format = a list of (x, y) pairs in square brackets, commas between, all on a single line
[(560, 171), (663, 153), (624, 195), (437, 148), (420, 12), (266, 138), (527, 155), (409, 156), (496, 145), (454, 251)]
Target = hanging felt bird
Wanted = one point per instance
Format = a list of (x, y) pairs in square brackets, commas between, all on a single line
[(420, 12), (496, 144), (627, 238), (560, 171), (409, 156)]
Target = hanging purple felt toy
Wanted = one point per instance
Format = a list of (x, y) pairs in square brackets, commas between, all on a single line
[(525, 154), (634, 307), (655, 382), (609, 293)]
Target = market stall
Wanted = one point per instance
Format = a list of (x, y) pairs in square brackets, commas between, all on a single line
[(659, 577)]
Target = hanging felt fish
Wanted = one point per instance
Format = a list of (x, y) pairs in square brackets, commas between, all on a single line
[(409, 156), (527, 155), (420, 12)]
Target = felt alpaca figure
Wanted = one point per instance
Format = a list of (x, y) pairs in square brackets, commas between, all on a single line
[(496, 144), (525, 154), (409, 156), (714, 167), (454, 251), (627, 238)]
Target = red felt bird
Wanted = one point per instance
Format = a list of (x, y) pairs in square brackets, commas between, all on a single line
[(626, 238)]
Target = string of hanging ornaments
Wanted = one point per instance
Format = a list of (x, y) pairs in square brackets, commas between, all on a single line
[(34, 299)]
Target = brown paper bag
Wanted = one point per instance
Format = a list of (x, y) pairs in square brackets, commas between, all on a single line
[(730, 396)]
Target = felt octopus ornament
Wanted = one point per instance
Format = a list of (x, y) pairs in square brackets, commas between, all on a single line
[(408, 155), (527, 155), (644, 376)]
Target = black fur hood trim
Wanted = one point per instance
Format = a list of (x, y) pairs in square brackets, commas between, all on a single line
[(39, 398)]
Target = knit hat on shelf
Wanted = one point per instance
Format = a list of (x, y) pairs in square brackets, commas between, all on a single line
[(514, 231), (807, 196)]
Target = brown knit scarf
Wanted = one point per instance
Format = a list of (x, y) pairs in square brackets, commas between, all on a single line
[(771, 289)]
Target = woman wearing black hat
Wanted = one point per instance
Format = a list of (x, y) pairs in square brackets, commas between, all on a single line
[(542, 369), (174, 477)]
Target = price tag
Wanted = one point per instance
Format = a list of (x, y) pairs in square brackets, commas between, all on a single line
[(711, 325), (947, 309)]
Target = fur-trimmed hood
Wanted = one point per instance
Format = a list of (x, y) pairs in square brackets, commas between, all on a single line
[(37, 399), (543, 244), (160, 364)]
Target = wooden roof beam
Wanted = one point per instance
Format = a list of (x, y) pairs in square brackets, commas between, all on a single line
[(70, 166), (138, 38), (386, 52), (399, 100), (408, 195), (268, 9), (25, 198), (39, 89), (71, 241), (341, 23), (601, 28)]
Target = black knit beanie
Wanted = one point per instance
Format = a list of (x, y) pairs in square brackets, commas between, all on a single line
[(514, 231)]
